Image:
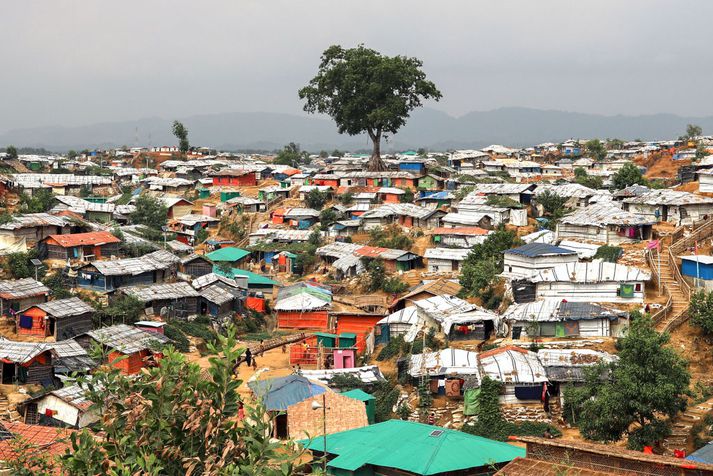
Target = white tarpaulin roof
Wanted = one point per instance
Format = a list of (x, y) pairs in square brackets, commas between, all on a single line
[(445, 362), (407, 315), (513, 365)]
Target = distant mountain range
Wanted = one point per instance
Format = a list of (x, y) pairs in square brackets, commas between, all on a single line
[(427, 128)]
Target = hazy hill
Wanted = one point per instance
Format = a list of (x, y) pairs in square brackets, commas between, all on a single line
[(427, 128)]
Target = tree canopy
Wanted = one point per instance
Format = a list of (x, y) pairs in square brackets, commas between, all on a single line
[(634, 395), (367, 92), (586, 180), (596, 149), (693, 131), (174, 418), (181, 133), (628, 175), (485, 261), (290, 155), (150, 212), (316, 199), (701, 310), (11, 151)]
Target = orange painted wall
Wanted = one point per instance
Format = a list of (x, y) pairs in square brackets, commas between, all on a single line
[(38, 322), (359, 325), (303, 320)]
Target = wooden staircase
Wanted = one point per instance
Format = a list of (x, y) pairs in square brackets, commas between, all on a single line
[(681, 437), (678, 299), (675, 312), (8, 412)]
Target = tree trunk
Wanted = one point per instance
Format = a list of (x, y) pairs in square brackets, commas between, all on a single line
[(375, 163)]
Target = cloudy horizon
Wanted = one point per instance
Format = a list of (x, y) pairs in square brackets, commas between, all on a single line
[(82, 62)]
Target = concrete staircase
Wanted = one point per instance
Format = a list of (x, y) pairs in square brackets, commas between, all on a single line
[(681, 432)]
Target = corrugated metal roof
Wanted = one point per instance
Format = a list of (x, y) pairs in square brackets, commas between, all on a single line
[(604, 214), (218, 294), (669, 197), (454, 254), (21, 288), (29, 220), (65, 307), (556, 310), (367, 374), (127, 339), (211, 278), (22, 352), (398, 209), (595, 272), (160, 259), (94, 238), (36, 180), (161, 292), (532, 250)]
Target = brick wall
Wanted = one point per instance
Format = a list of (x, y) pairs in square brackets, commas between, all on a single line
[(343, 413)]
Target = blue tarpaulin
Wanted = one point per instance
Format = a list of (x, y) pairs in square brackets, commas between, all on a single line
[(26, 322), (279, 393)]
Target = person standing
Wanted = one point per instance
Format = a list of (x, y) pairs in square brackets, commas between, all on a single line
[(248, 357)]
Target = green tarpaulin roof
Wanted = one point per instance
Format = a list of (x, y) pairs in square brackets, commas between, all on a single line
[(229, 253), (413, 447), (358, 394)]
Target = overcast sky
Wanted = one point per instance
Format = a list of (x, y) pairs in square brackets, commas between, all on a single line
[(75, 62)]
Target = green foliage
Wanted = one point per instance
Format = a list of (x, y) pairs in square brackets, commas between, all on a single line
[(346, 198), (701, 310), (327, 217), (390, 237), (693, 131), (407, 197), (180, 341), (463, 192), (150, 212), (11, 152), (485, 261), (501, 201), (590, 181), (615, 144), (394, 348), (553, 204), (123, 309), (59, 285), (18, 265), (634, 395), (628, 175), (609, 253), (42, 200), (290, 155), (199, 327), (394, 285), (377, 279), (365, 91), (201, 236), (181, 133), (701, 151), (596, 149), (431, 343), (490, 421), (5, 217), (172, 419), (316, 199)]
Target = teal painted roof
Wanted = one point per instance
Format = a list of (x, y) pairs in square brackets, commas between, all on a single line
[(413, 447), (359, 394), (229, 253), (253, 278)]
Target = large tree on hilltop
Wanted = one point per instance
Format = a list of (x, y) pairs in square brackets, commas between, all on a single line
[(365, 91)]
